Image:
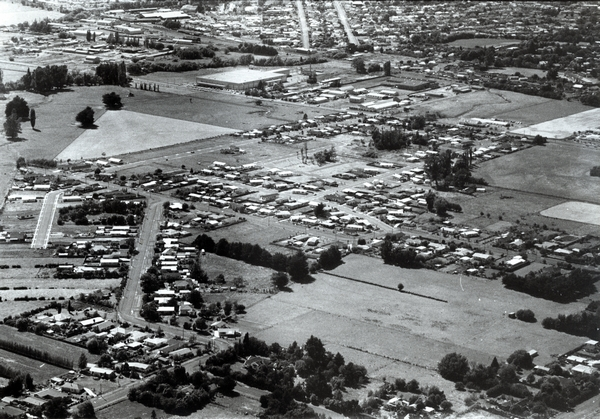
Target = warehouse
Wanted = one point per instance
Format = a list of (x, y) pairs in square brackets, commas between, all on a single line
[(242, 79)]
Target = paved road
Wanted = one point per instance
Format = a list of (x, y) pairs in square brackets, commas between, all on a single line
[(344, 19), (44, 224), (303, 25)]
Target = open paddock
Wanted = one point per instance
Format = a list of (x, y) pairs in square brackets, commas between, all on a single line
[(484, 42), (123, 132), (383, 327), (39, 371), (500, 104), (560, 128), (558, 169), (575, 211)]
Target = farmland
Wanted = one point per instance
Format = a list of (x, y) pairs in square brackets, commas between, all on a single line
[(123, 132), (575, 211), (563, 127), (557, 169), (389, 331)]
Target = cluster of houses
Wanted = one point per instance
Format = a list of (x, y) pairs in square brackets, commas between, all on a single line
[(584, 359)]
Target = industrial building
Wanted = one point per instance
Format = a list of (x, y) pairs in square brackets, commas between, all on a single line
[(242, 79)]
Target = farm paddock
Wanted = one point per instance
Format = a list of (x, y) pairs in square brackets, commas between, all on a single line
[(122, 132), (575, 211), (558, 169), (561, 128), (388, 331)]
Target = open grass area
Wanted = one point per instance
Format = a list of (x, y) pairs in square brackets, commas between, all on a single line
[(557, 169), (501, 104), (388, 331), (575, 211), (39, 371), (484, 42), (123, 132), (564, 127)]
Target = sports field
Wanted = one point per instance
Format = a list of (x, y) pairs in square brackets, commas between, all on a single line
[(122, 132), (564, 127), (575, 211)]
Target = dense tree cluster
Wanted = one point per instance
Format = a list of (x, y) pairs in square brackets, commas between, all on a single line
[(449, 169), (112, 100), (394, 139), (322, 371), (552, 284), (172, 24), (394, 255), (439, 205), (162, 391), (325, 156), (19, 106), (330, 258), (295, 265), (584, 323), (113, 73), (85, 117), (526, 315), (195, 53), (256, 49), (12, 126), (118, 212), (43, 26), (45, 79)]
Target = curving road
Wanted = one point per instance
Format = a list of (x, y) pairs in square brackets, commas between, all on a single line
[(44, 224)]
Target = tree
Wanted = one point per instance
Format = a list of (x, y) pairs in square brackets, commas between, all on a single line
[(319, 210), (453, 367), (82, 363), (330, 258), (359, 64), (12, 126), (85, 411), (387, 68), (195, 299), (280, 279), (19, 105), (85, 117), (32, 117), (526, 315), (112, 101), (400, 287), (150, 312), (297, 266), (521, 359), (57, 408)]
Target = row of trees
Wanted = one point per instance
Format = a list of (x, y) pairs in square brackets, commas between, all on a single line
[(296, 265), (394, 139), (35, 353), (257, 49), (552, 284), (584, 323)]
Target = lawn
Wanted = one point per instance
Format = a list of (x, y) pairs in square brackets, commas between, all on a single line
[(564, 127), (124, 132), (39, 371)]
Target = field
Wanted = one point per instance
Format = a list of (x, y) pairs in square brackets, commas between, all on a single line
[(563, 127), (501, 104), (557, 169), (484, 42), (123, 132), (400, 335), (39, 371), (575, 211)]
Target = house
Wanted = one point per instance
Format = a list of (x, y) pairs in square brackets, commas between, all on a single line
[(583, 370), (11, 411), (48, 393), (255, 362), (101, 372), (71, 388), (155, 342), (91, 322), (182, 353), (139, 367), (32, 401)]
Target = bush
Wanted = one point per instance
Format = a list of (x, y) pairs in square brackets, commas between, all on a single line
[(526, 316), (595, 171), (453, 367)]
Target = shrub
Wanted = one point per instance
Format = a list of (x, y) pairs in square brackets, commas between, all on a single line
[(526, 316)]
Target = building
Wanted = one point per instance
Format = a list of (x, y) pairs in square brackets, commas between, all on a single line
[(241, 79)]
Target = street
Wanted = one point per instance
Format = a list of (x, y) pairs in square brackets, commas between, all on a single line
[(44, 224)]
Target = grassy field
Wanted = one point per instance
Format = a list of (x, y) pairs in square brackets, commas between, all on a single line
[(484, 42), (557, 169), (564, 127), (575, 211), (501, 104), (123, 132), (397, 334), (39, 371)]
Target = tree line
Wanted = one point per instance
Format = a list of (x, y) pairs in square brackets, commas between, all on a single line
[(296, 265), (31, 352), (584, 323), (552, 284)]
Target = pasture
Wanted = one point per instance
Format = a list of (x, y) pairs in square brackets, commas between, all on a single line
[(484, 42), (557, 169), (123, 132), (560, 128), (393, 333), (575, 211), (500, 104)]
